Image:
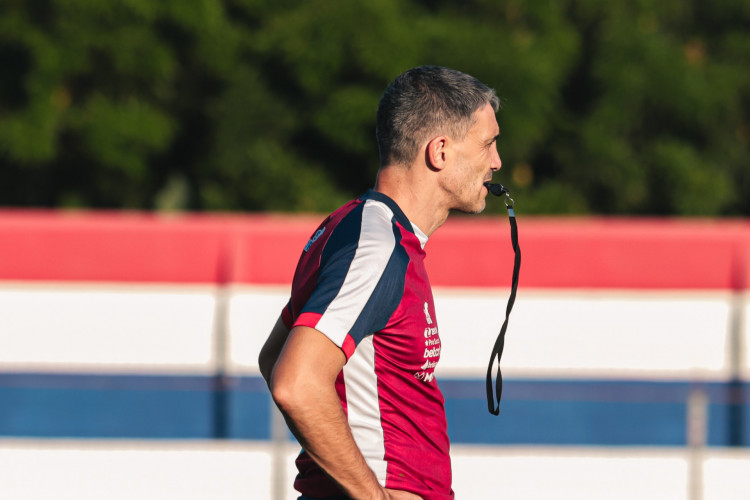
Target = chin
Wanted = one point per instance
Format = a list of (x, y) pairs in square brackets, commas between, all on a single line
[(480, 206), (477, 208)]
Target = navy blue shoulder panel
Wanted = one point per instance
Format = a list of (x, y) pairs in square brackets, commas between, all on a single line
[(387, 294), (335, 260)]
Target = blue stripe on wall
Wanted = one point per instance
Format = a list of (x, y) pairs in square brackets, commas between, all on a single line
[(589, 413), (536, 412)]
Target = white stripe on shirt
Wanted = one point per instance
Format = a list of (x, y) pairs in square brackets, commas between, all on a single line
[(363, 407), (375, 247)]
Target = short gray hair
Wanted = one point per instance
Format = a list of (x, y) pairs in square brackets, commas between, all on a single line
[(424, 101)]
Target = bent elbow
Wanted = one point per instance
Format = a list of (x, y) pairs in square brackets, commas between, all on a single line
[(283, 391), (265, 365)]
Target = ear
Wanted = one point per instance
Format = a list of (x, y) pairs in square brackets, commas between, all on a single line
[(436, 153)]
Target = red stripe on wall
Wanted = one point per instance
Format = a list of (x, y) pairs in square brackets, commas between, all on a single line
[(109, 247), (466, 251), (594, 253)]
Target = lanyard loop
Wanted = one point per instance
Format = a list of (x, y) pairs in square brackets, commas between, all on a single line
[(497, 350)]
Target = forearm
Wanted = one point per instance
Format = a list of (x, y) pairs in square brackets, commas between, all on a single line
[(320, 425), (303, 387)]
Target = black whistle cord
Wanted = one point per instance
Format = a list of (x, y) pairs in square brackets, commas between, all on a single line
[(497, 350)]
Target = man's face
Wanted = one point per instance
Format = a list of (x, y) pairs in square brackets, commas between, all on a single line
[(475, 158)]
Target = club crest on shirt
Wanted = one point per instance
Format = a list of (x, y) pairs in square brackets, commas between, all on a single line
[(427, 316)]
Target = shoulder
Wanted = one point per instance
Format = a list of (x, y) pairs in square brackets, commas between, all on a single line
[(378, 223), (369, 226)]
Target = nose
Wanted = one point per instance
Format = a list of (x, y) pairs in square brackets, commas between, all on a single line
[(496, 163)]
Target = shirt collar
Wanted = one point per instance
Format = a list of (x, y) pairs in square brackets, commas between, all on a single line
[(397, 213)]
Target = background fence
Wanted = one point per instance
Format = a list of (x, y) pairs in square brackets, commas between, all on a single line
[(129, 343)]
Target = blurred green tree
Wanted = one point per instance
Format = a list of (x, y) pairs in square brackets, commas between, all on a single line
[(615, 107)]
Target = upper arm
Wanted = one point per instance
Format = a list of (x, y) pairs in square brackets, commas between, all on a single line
[(309, 362), (270, 351)]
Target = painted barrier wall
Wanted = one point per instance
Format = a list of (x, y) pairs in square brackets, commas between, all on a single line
[(136, 326)]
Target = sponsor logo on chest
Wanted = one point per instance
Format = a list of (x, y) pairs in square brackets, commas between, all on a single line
[(432, 348)]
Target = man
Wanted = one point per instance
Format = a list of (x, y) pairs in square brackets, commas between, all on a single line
[(350, 362)]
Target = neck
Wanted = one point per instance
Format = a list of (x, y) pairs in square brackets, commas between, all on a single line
[(415, 193)]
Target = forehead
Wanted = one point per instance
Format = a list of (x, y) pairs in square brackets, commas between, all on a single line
[(485, 123)]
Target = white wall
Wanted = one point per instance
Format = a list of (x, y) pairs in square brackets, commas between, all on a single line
[(570, 333), (159, 470)]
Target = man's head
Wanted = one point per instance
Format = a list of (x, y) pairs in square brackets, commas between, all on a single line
[(423, 102)]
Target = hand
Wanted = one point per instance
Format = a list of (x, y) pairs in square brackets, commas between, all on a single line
[(401, 495)]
